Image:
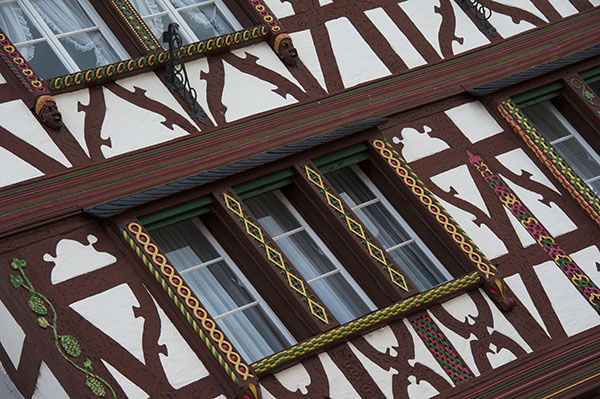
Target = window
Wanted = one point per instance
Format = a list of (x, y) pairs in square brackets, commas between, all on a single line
[(57, 37), (228, 296), (388, 227), (567, 141), (315, 262), (198, 20)]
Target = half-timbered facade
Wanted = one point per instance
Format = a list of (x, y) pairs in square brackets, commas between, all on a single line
[(300, 199)]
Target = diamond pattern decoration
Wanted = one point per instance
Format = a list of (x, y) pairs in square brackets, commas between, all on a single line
[(275, 257), (356, 228), (233, 205), (296, 284), (254, 231), (318, 311)]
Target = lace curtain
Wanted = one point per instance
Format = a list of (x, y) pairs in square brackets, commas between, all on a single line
[(15, 25)]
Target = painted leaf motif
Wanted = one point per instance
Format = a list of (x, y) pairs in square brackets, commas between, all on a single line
[(43, 322), (95, 386), (16, 281), (36, 304), (17, 263), (70, 345)]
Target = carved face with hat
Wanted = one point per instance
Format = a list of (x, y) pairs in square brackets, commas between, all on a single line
[(47, 111), (285, 49)]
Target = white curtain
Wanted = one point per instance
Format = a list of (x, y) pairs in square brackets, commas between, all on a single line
[(149, 7), (15, 26), (64, 16), (204, 16)]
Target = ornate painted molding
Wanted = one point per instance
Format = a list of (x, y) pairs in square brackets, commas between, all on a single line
[(137, 25), (487, 270), (19, 67), (187, 303), (376, 318), (586, 93), (441, 349), (356, 228), (265, 13), (509, 199), (584, 196), (273, 254), (68, 346), (156, 60)]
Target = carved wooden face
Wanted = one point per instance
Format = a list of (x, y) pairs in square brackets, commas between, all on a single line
[(51, 116), (287, 52)]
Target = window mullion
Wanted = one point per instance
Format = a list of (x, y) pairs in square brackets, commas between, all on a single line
[(288, 233), (201, 265), (188, 7), (324, 275), (183, 26), (234, 311)]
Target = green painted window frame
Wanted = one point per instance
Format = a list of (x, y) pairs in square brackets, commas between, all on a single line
[(199, 207)]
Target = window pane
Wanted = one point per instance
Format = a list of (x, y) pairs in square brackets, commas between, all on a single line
[(417, 266), (595, 186), (272, 214), (341, 299), (544, 116), (253, 334), (595, 87), (89, 50), (158, 25), (206, 21), (350, 187), (304, 253), (17, 25), (63, 16), (43, 60), (186, 244), (578, 158), (380, 222), (147, 7)]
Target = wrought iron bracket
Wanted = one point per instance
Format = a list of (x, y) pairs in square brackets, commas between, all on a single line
[(482, 14), (177, 78)]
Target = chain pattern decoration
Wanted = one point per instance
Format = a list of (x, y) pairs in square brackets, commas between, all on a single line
[(188, 305), (156, 60), (567, 177), (376, 318), (136, 24), (265, 13), (357, 229), (587, 94), (19, 67), (418, 188), (539, 233), (441, 349), (274, 256), (67, 345)]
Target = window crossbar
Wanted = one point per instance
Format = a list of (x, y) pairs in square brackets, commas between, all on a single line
[(234, 311), (204, 264)]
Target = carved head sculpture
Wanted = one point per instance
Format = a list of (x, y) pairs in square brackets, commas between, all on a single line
[(285, 49), (47, 111)]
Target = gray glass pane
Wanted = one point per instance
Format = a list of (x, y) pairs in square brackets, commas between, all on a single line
[(596, 88), (417, 266), (304, 253), (578, 158), (341, 299), (384, 227), (158, 25), (206, 21), (253, 334), (350, 187), (63, 16), (185, 245), (89, 50), (272, 214), (147, 7), (16, 24), (44, 61), (595, 186), (544, 119), (218, 288)]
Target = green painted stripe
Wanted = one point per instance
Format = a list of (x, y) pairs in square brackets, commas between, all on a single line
[(538, 95), (176, 214), (591, 75), (264, 184)]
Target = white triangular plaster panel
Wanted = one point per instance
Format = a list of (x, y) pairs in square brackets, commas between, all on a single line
[(325, 2), (487, 241), (462, 308), (280, 8), (500, 357), (12, 336), (467, 30), (305, 45), (339, 386), (2, 80), (588, 259), (383, 340), (526, 5), (574, 312), (15, 169), (130, 127), (47, 386), (474, 121), (25, 126), (294, 379), (516, 284), (131, 390), (268, 59), (505, 26), (383, 378), (396, 38), (246, 95), (417, 145), (111, 312), (355, 59), (423, 355), (194, 69), (422, 14), (74, 259), (552, 217), (181, 364), (461, 180), (595, 3), (8, 390), (517, 162), (73, 119), (265, 393), (563, 7), (421, 389)]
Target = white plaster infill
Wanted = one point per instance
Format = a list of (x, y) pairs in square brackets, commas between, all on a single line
[(47, 386), (417, 145), (131, 390), (12, 336), (474, 121)]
